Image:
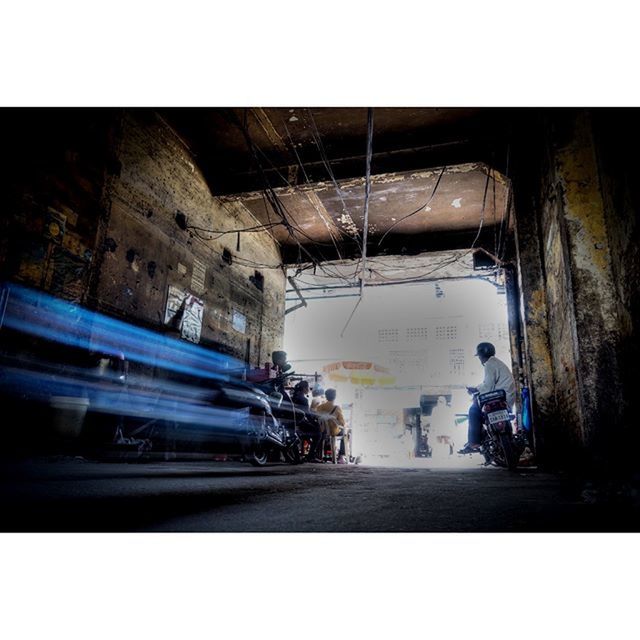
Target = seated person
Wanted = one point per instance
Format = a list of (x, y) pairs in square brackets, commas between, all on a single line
[(310, 426), (317, 398), (300, 393), (334, 424)]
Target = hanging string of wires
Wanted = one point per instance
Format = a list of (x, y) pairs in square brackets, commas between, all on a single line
[(297, 188), (243, 261), (445, 263), (315, 134), (250, 263), (418, 210), (275, 203), (420, 276), (196, 230), (272, 201), (484, 202), (296, 228), (365, 228), (506, 216), (218, 233), (330, 228), (451, 261), (367, 194)]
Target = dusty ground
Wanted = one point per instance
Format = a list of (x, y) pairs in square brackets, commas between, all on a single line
[(76, 495)]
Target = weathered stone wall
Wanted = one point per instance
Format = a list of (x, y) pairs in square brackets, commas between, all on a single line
[(163, 220), (560, 316), (108, 208), (56, 163), (594, 293), (579, 298)]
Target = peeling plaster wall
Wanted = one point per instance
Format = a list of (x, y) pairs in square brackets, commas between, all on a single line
[(580, 299), (578, 258), (561, 323), (146, 247), (594, 291)]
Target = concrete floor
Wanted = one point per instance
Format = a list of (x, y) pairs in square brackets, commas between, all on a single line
[(76, 495)]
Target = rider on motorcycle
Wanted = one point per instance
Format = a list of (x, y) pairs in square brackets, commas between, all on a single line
[(496, 376)]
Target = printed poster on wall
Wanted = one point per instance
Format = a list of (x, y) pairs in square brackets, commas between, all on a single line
[(185, 312)]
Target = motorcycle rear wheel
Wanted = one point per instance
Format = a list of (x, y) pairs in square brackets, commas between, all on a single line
[(258, 457), (510, 455)]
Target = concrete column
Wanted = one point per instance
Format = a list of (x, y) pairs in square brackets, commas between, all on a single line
[(593, 290), (537, 360), (533, 310)]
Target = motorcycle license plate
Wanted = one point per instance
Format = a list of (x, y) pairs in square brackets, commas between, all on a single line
[(498, 416)]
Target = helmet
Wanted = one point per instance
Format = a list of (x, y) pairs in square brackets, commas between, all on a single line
[(485, 349), (279, 358)]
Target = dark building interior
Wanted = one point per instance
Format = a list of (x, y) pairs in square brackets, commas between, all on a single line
[(192, 189), (109, 208)]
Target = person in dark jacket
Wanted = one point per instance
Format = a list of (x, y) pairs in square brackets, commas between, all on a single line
[(310, 425)]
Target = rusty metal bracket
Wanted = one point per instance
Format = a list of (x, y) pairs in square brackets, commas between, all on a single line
[(303, 302)]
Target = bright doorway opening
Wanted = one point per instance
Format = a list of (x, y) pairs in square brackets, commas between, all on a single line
[(407, 349)]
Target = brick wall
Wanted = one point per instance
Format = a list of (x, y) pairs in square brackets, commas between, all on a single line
[(156, 239), (107, 207)]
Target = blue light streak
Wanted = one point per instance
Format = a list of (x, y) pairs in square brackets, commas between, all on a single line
[(173, 403), (44, 316), (103, 391)]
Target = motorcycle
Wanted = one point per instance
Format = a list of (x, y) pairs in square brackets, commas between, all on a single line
[(302, 426), (499, 445), (278, 432), (266, 437)]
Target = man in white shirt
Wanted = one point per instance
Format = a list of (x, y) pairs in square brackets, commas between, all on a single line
[(496, 376)]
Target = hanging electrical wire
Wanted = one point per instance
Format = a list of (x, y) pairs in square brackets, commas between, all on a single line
[(243, 261), (297, 188), (420, 208), (445, 263), (315, 134), (365, 228), (305, 193), (274, 201), (218, 233), (484, 201), (367, 194), (313, 204), (452, 261)]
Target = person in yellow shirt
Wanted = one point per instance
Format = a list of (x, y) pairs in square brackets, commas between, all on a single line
[(317, 397), (332, 419)]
